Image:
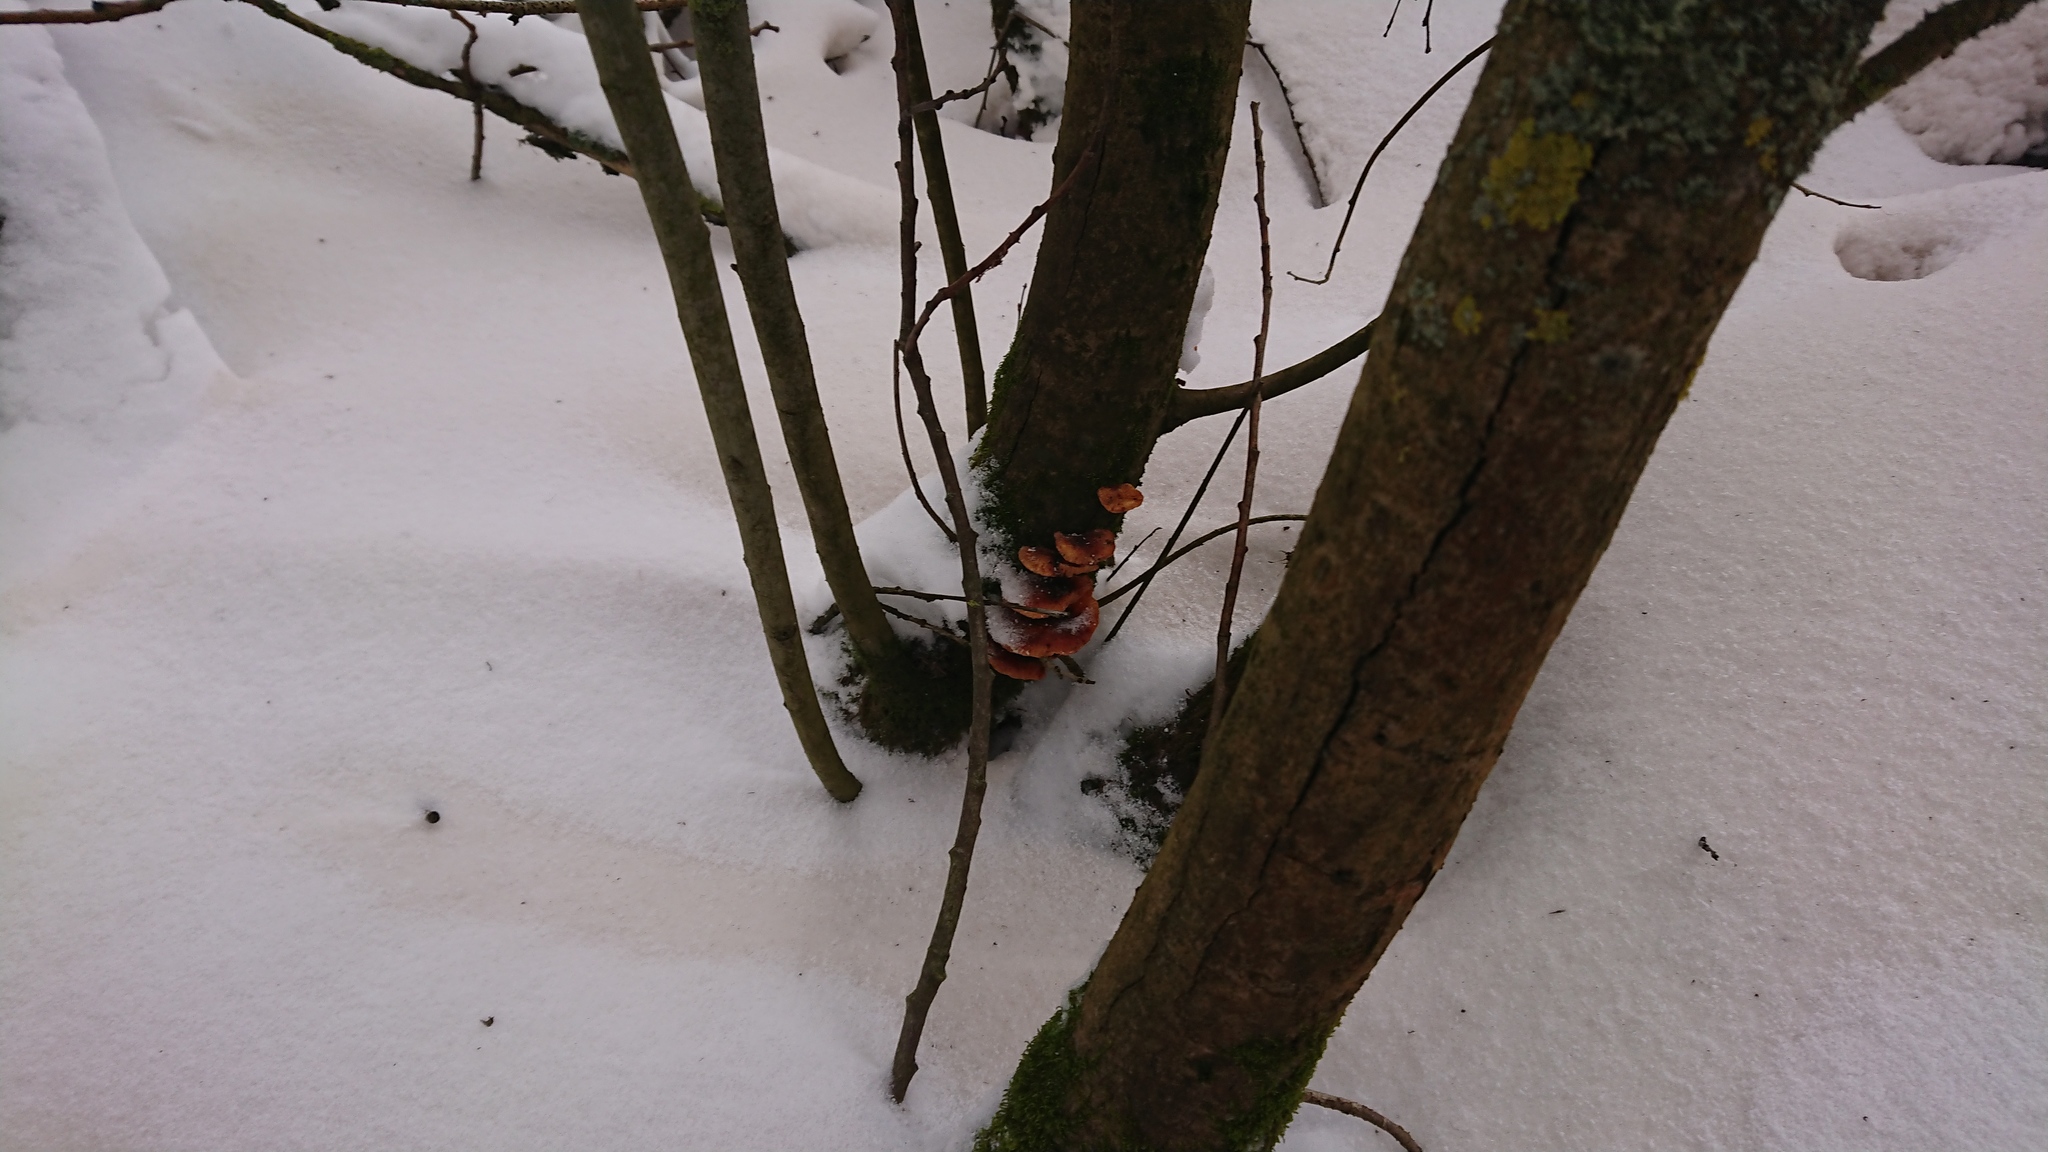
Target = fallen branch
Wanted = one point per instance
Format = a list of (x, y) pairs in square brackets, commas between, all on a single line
[(567, 140), (1939, 33), (97, 14), (1220, 698), (515, 8), (1354, 1108), (1359, 187), (1195, 403)]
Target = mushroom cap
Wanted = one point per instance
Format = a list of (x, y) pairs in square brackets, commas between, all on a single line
[(1041, 638), (1041, 560), (1088, 549), (1120, 498), (1039, 597), (1007, 663)]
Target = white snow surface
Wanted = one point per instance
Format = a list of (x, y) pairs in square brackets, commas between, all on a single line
[(445, 532), (1986, 103)]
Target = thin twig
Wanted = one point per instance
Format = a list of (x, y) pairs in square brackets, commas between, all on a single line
[(673, 45), (1384, 141), (921, 622), (97, 14), (938, 597), (1315, 178), (1220, 698), (1136, 581), (1354, 1108), (917, 1006), (1131, 555), (1144, 579), (1798, 187), (476, 100), (903, 442)]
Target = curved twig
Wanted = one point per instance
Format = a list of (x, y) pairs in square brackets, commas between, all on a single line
[(1195, 403), (1354, 1108), (1384, 141), (1142, 577)]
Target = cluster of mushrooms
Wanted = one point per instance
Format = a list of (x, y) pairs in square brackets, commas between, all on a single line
[(1049, 610)]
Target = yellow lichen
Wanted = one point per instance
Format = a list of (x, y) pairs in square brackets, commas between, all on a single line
[(1551, 327), (1466, 317), (1535, 179), (1758, 129)]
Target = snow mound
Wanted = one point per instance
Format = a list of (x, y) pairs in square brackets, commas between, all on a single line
[(96, 364), (1987, 103), (1917, 236), (547, 66)]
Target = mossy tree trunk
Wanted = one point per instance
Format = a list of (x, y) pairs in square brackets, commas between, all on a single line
[(1089, 381), (1604, 195)]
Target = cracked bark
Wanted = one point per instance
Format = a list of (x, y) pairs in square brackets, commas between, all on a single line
[(1606, 191)]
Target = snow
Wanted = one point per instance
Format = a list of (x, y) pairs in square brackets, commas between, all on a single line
[(1987, 103), (439, 527)]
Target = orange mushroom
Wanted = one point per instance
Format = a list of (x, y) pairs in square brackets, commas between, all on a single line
[(1121, 498), (1041, 638), (1041, 560), (1040, 598), (1007, 663), (1086, 552)]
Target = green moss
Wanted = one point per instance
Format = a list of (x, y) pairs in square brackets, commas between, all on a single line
[(1280, 1071), (1034, 1115)]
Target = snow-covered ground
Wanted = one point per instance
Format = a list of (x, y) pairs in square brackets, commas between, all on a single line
[(335, 488)]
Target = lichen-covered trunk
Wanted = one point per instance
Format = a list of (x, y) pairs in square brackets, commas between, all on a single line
[(1605, 193), (1089, 381)]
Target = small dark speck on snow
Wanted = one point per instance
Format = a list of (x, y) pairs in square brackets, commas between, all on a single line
[(1556, 912), (433, 817)]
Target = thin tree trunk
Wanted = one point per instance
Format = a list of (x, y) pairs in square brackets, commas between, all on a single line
[(1089, 382), (938, 187), (618, 45), (1606, 191), (901, 705)]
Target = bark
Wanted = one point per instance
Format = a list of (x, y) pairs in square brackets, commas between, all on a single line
[(1089, 382), (1605, 193), (938, 185), (618, 45), (902, 704)]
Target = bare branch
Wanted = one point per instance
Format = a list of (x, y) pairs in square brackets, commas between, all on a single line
[(1220, 698), (1939, 33), (1359, 187), (514, 7), (917, 1005), (1195, 403), (1354, 1108), (97, 14), (1315, 177)]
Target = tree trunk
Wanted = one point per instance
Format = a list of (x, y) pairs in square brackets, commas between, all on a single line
[(938, 184), (911, 697), (1606, 191), (1089, 381), (625, 68)]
